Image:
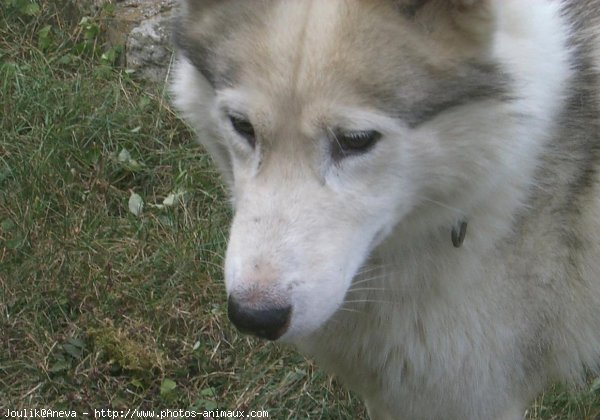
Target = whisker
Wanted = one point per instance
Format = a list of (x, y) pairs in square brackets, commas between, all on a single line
[(369, 268), (369, 279), (352, 311), (369, 301), (439, 203), (366, 289)]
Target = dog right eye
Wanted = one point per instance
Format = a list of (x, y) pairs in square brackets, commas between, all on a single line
[(244, 128), (353, 142)]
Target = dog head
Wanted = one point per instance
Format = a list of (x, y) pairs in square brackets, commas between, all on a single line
[(334, 122)]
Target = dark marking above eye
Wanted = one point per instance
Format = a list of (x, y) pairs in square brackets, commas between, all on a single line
[(475, 82), (244, 128), (349, 143)]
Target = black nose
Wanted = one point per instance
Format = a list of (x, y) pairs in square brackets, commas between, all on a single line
[(270, 323)]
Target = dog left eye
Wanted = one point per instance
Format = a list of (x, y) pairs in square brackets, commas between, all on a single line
[(353, 142), (244, 128)]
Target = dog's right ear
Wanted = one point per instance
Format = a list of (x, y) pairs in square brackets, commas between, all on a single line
[(198, 31), (194, 48), (199, 34)]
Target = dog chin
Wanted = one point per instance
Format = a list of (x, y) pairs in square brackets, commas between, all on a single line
[(298, 333), (309, 321)]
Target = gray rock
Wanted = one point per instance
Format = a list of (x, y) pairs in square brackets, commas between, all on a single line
[(143, 27), (148, 50)]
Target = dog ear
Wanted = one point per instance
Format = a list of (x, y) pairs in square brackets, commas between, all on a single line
[(197, 33), (466, 24)]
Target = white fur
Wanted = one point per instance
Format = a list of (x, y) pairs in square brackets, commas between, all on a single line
[(421, 330)]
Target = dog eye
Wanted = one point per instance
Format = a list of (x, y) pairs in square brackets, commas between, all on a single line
[(244, 128), (353, 142)]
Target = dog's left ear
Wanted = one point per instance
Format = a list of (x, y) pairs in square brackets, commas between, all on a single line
[(459, 24)]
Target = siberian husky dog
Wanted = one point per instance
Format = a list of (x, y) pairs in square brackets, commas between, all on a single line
[(416, 189)]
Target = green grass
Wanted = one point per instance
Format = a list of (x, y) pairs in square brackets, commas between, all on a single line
[(100, 308)]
